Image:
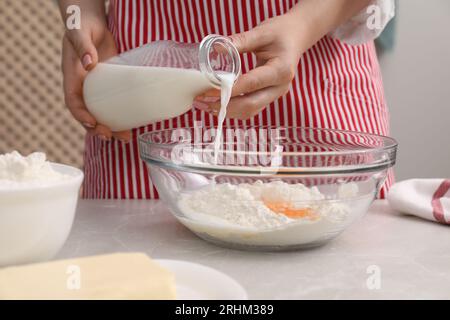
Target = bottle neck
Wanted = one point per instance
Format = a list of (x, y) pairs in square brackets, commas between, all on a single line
[(218, 55)]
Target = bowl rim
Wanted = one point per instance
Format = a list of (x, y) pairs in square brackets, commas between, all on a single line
[(76, 177), (389, 145)]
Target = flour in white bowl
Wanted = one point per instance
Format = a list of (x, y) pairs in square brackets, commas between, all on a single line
[(23, 171)]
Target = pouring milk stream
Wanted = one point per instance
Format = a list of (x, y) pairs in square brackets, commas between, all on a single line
[(160, 81), (227, 82)]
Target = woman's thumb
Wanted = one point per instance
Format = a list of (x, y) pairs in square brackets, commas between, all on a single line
[(85, 49)]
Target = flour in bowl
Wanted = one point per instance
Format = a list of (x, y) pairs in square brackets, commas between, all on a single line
[(261, 205), (274, 214), (33, 170), (271, 215), (237, 204)]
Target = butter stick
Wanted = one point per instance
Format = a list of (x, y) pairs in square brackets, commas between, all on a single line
[(113, 276)]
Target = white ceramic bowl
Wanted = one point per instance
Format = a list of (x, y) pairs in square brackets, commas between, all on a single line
[(35, 221)]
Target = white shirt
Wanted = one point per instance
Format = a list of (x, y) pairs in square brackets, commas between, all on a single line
[(366, 25)]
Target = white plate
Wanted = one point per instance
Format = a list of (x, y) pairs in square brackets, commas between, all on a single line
[(198, 282)]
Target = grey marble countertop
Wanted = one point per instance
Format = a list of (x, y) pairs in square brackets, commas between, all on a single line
[(381, 256)]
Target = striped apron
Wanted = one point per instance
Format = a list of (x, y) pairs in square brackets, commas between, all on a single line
[(337, 86)]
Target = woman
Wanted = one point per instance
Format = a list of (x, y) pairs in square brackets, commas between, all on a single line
[(298, 76)]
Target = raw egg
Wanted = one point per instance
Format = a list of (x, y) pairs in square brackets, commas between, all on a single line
[(290, 211)]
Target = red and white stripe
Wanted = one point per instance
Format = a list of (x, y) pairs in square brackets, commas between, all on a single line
[(439, 213), (337, 85)]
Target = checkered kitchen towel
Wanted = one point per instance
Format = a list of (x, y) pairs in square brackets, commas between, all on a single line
[(425, 198)]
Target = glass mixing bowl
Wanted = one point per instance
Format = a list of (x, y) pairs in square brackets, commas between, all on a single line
[(267, 188)]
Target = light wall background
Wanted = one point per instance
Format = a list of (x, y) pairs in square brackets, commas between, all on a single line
[(32, 112), (416, 76)]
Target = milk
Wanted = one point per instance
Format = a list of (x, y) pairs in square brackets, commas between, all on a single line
[(124, 97), (227, 82)]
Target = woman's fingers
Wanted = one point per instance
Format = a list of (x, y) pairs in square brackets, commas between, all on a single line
[(76, 106), (84, 47), (264, 76), (73, 86), (273, 73), (209, 96), (250, 41), (74, 75), (277, 57), (247, 106), (124, 136), (253, 90), (103, 132)]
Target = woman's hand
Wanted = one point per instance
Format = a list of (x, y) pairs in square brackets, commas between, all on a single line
[(82, 49), (278, 44), (278, 47)]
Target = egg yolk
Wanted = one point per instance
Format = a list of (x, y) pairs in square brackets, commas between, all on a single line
[(289, 211)]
